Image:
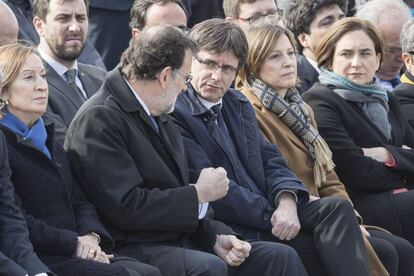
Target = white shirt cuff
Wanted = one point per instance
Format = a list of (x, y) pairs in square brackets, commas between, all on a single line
[(202, 210)]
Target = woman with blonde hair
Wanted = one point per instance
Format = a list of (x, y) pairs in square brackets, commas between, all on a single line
[(268, 80), (64, 227)]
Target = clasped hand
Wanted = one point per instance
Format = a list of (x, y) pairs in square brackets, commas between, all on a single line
[(232, 250), (88, 248)]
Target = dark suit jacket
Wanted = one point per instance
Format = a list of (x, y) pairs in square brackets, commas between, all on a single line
[(115, 5), (262, 161), (137, 179), (63, 103), (346, 130), (405, 94), (16, 251), (306, 74)]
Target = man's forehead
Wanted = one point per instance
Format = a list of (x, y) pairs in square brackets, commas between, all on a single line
[(328, 10), (211, 53), (67, 7), (260, 6)]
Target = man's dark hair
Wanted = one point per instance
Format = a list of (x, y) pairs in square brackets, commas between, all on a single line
[(231, 8), (299, 14), (140, 7), (41, 7), (157, 47), (217, 35)]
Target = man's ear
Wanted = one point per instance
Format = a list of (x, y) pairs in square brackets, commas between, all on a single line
[(163, 77), (408, 61), (230, 19), (39, 25), (303, 40), (135, 32)]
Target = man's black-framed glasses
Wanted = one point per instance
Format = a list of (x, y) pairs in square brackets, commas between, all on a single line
[(187, 78), (271, 16), (213, 66)]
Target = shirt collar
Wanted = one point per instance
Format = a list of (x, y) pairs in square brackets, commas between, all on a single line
[(138, 98), (314, 64), (57, 66), (207, 104)]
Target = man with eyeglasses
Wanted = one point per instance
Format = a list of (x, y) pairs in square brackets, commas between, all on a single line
[(265, 201), (389, 17), (246, 13), (405, 90)]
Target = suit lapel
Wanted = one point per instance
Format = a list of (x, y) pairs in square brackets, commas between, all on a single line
[(162, 141), (56, 81), (87, 83), (239, 128), (172, 145)]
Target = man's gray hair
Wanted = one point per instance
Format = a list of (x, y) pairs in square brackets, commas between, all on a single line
[(407, 36), (374, 10)]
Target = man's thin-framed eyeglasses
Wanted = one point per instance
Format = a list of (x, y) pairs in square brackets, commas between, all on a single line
[(272, 16), (187, 78), (213, 66)]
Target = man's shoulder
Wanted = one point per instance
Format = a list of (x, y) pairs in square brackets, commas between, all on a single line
[(318, 90), (404, 90), (91, 70)]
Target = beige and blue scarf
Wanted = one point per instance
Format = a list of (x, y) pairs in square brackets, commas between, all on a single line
[(292, 112)]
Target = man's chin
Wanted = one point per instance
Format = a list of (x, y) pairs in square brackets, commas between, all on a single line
[(71, 55)]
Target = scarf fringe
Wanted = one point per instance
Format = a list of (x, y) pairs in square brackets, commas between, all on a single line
[(323, 161)]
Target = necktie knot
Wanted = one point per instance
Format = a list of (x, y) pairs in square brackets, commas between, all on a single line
[(71, 75), (71, 80), (216, 109)]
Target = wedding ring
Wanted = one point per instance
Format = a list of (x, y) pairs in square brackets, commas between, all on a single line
[(91, 251)]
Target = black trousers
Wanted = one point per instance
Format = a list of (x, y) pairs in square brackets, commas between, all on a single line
[(265, 259), (395, 253), (119, 266), (330, 241)]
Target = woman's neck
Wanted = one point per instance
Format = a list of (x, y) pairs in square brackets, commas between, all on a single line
[(27, 119), (281, 92)]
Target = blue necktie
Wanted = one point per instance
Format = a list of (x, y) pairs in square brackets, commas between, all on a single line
[(154, 123), (220, 121)]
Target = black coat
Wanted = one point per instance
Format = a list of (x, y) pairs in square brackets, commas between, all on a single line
[(306, 74), (405, 94), (137, 179), (54, 206), (16, 251), (346, 130)]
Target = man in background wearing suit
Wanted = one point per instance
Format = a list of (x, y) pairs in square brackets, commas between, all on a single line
[(309, 20), (62, 27)]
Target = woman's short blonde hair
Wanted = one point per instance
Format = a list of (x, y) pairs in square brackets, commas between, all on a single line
[(262, 39), (12, 58), (326, 49)]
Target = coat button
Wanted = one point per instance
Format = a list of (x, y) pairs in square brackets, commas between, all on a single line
[(266, 217)]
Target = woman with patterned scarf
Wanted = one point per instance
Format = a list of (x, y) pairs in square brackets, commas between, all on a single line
[(268, 80)]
